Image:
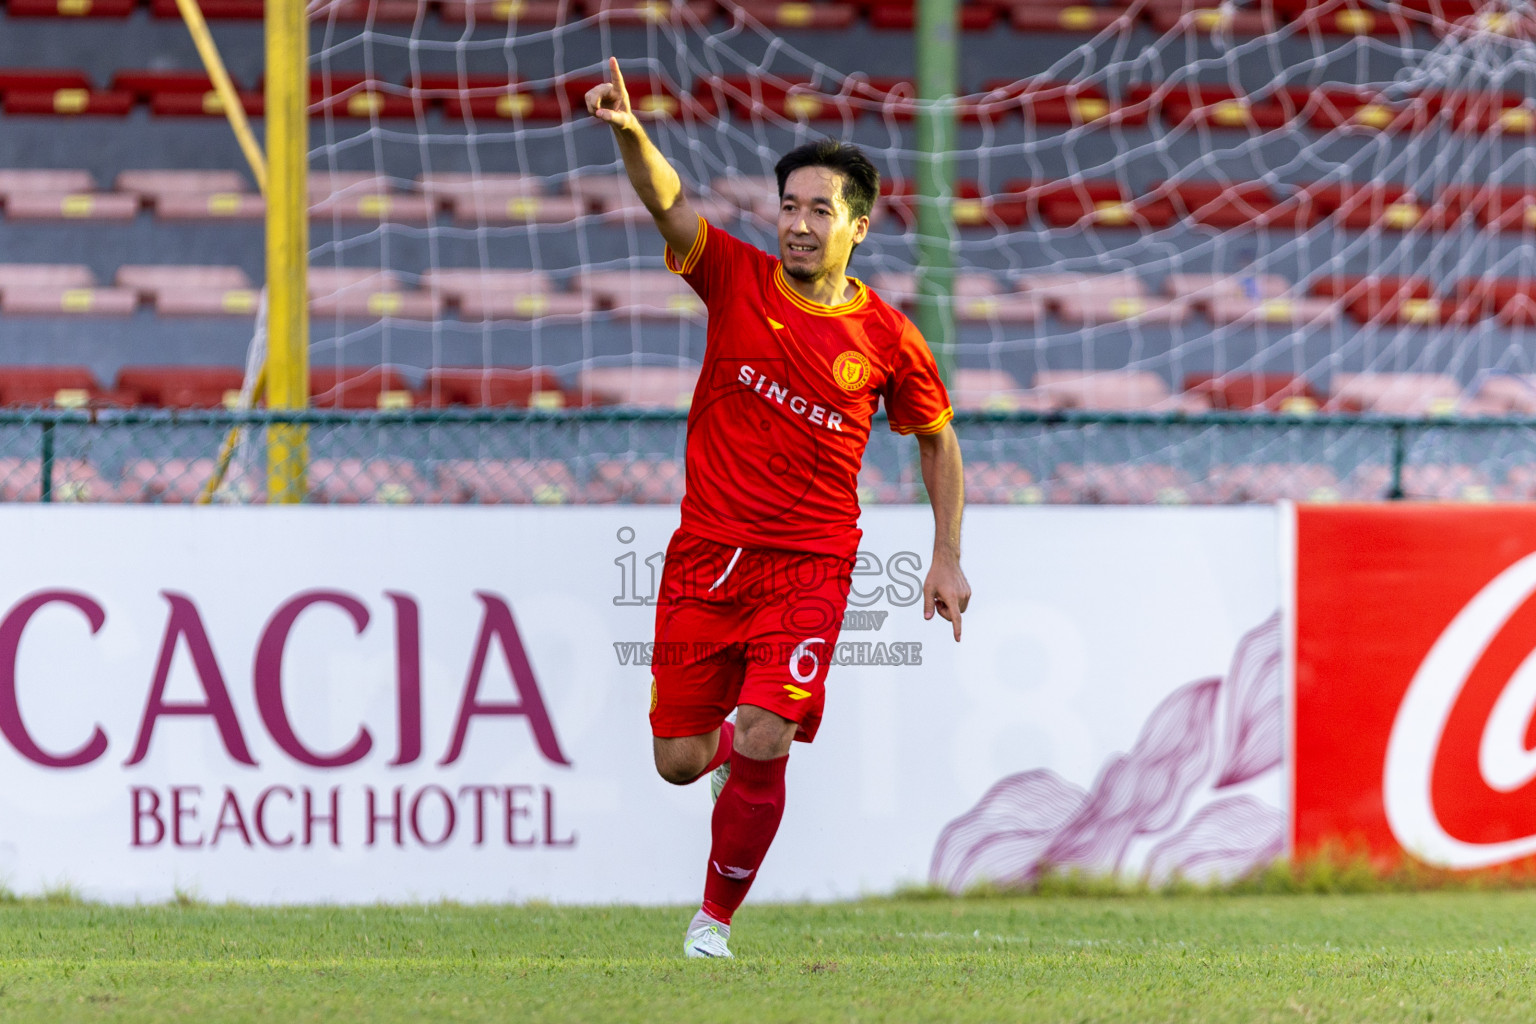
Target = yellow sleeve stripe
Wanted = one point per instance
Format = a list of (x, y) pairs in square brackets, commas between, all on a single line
[(933, 426), (692, 259)]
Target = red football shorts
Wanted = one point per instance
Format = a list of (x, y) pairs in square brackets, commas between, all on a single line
[(743, 626)]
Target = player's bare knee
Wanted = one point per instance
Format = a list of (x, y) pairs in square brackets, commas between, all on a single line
[(763, 735)]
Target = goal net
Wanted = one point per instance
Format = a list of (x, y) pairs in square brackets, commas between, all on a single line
[(1286, 206)]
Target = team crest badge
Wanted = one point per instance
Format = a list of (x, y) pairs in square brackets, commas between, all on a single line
[(851, 370)]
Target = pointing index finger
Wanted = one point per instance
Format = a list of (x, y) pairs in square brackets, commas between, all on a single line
[(615, 76)]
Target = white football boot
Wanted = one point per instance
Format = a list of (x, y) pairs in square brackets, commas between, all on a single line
[(707, 938), (717, 781)]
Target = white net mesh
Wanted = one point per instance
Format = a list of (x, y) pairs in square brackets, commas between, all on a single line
[(1159, 206)]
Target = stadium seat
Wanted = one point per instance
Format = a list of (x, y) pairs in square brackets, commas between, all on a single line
[(357, 387), (979, 390), (1114, 390), (1373, 298), (64, 386), (398, 11), (649, 294), (180, 387), (481, 386), (183, 93), (1102, 309), (1275, 392), (60, 195), (508, 482), (214, 10), (789, 98), (1508, 394), (640, 481), (1358, 107), (1236, 205), (446, 187), (491, 98), (1266, 482), (191, 291), (796, 14), (365, 293), (356, 94), (646, 387), (1000, 483), (491, 13), (193, 195), (1421, 482), (978, 297), (1210, 17), (614, 199), (503, 294), (1403, 394), (1511, 301), (58, 92), (650, 98), (363, 196), (758, 194), (73, 480), (70, 8), (875, 489), (44, 289), (1131, 484), (164, 481), (1211, 106), (1052, 286), (366, 481), (1099, 203), (1201, 289), (1048, 102), (899, 15), (1069, 16), (648, 12), (1342, 17), (1377, 205)]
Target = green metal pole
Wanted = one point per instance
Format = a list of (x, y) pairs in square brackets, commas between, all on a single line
[(937, 46)]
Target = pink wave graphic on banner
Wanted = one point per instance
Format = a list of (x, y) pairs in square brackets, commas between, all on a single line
[(1035, 819)]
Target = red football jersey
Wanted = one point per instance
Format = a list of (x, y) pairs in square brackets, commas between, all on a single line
[(782, 412)]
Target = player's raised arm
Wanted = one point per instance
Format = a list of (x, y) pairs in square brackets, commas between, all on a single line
[(655, 181), (946, 589)]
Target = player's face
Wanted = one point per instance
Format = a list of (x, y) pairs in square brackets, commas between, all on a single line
[(817, 232)]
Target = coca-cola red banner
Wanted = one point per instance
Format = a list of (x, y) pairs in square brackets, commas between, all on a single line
[(1415, 683)]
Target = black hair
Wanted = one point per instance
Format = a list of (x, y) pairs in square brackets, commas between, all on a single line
[(861, 182)]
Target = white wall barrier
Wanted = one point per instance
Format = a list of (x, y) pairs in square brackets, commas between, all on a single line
[(322, 704)]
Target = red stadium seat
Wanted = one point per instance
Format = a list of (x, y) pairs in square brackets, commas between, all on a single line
[(977, 390), (183, 93), (1114, 390), (1212, 106), (649, 12), (641, 481), (1343, 17), (1236, 205), (1341, 106), (366, 481), (1132, 484), (1378, 205), (70, 8), (1069, 16), (214, 10), (1049, 102), (797, 14), (649, 387), (191, 291), (478, 387), (354, 94), (1208, 17), (357, 387), (1421, 482), (503, 294), (900, 15), (398, 11), (1000, 483), (1275, 392), (492, 13), (1265, 482), (193, 195), (181, 387), (509, 482), (1405, 394), (365, 293), (498, 97), (651, 294), (1389, 300), (650, 98), (73, 480), (364, 196), (65, 386)]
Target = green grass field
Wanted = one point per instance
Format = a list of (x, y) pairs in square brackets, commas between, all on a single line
[(1441, 956)]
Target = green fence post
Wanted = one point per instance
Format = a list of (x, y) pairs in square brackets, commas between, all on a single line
[(937, 84), (47, 467)]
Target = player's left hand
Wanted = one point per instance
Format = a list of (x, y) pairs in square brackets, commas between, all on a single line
[(946, 591)]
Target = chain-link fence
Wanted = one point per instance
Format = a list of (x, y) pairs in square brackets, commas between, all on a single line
[(604, 455)]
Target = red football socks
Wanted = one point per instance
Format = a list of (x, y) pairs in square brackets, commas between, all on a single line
[(723, 751), (746, 818)]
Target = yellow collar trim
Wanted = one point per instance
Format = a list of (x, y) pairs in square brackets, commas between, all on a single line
[(861, 296)]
